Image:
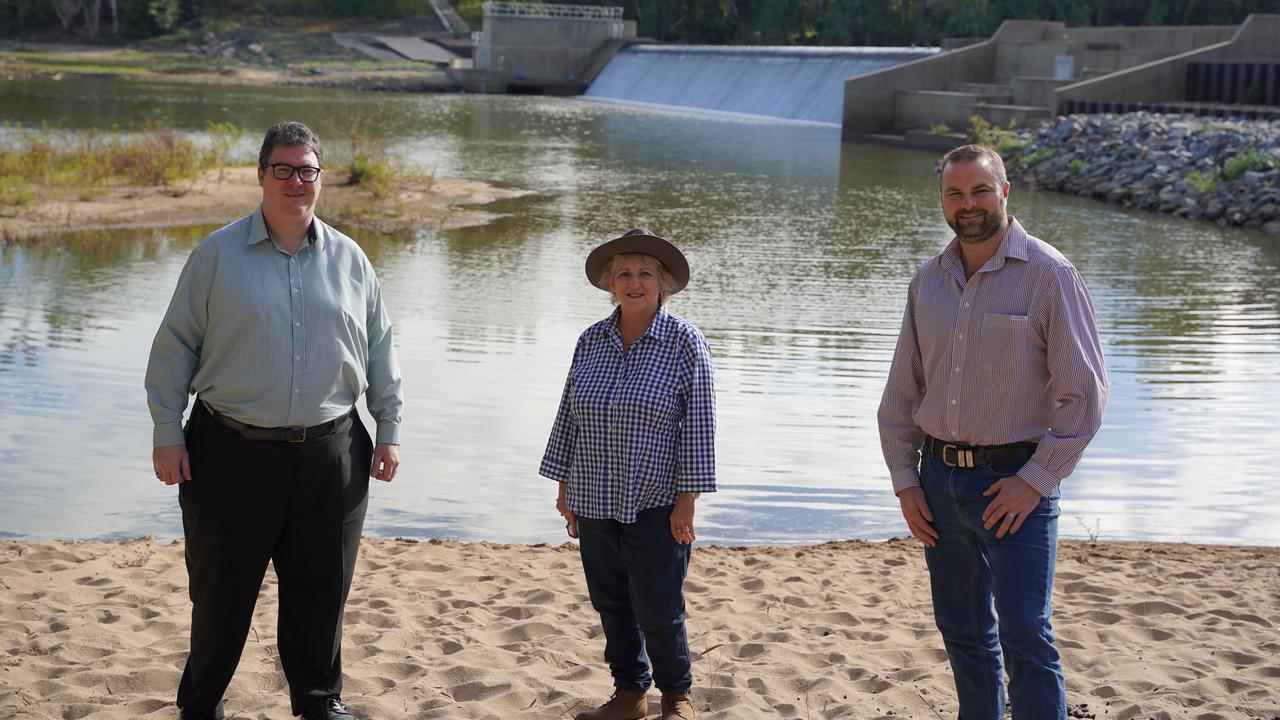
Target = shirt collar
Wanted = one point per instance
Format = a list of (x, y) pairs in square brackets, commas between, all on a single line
[(1012, 246), (658, 329), (258, 230)]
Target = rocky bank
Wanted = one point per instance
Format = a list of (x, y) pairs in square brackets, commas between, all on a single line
[(1224, 171)]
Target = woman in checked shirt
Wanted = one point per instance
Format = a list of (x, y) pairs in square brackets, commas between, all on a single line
[(632, 447)]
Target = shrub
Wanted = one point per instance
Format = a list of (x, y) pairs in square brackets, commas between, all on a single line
[(1011, 146), (1203, 183), (147, 18), (375, 173), (940, 129), (15, 192), (1076, 165), (1237, 166), (153, 157), (1040, 156)]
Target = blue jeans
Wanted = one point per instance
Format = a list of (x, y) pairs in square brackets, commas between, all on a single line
[(635, 576), (969, 570)]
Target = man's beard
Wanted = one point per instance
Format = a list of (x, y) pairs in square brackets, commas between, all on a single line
[(972, 233)]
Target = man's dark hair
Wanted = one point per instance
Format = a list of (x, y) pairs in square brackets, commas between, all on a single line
[(969, 153), (290, 134)]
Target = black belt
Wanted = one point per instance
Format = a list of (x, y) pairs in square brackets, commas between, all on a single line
[(293, 433), (960, 455)]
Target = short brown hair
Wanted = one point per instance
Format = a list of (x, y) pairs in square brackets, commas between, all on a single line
[(970, 153), (290, 134)]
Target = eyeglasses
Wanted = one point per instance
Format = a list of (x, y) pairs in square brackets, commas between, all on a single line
[(285, 171)]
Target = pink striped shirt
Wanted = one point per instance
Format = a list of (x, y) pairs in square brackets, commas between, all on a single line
[(1010, 355)]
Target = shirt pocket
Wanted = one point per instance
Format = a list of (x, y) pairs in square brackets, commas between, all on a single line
[(1004, 342)]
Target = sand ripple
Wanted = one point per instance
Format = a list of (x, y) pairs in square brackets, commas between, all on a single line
[(448, 630)]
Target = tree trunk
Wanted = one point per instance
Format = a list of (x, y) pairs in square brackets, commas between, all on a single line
[(66, 10), (92, 17)]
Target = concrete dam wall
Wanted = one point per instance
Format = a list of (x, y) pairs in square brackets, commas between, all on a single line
[(791, 83)]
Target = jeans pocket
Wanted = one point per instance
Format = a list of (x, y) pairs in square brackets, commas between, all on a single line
[(1006, 468)]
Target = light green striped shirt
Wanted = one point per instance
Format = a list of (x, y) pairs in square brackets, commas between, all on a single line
[(273, 339)]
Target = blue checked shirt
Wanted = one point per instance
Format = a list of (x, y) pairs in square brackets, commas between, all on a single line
[(634, 429)]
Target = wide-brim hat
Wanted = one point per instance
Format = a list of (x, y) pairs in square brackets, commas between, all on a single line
[(639, 240)]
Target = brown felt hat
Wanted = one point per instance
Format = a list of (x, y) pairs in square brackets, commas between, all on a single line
[(639, 240)]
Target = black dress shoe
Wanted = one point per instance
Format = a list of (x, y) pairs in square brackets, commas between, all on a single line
[(328, 709)]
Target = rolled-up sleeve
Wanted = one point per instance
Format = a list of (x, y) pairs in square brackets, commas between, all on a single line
[(900, 438), (175, 351), (696, 446), (1077, 381), (385, 394)]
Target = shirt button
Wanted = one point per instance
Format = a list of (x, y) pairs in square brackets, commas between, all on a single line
[(296, 391), (961, 336), (297, 324), (956, 369), (953, 400), (966, 304), (297, 357)]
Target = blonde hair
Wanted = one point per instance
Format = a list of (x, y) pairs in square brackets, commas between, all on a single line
[(666, 283)]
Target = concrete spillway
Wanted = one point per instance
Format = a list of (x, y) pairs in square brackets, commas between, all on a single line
[(793, 83)]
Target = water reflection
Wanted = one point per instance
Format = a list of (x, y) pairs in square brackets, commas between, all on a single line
[(801, 249)]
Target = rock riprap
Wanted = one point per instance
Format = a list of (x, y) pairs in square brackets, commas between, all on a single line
[(1221, 170)]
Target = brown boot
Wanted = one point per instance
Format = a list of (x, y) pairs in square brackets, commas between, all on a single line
[(624, 705), (676, 706)]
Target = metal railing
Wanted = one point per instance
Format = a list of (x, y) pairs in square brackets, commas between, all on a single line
[(500, 8)]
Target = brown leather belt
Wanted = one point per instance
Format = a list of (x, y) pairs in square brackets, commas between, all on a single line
[(293, 434), (959, 455)]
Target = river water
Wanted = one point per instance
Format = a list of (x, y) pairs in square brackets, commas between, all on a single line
[(801, 249)]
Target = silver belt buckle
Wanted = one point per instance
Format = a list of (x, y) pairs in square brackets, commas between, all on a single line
[(302, 434), (963, 457)]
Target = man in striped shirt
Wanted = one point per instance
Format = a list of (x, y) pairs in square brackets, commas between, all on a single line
[(277, 326), (997, 385)]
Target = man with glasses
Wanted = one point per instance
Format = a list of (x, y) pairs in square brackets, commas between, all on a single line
[(277, 326)]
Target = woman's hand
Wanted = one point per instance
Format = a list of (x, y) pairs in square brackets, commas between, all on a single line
[(682, 519), (562, 507)]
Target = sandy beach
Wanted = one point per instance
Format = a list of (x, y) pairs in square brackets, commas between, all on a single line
[(440, 629)]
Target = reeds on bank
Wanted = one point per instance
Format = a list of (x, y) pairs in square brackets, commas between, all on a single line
[(34, 163)]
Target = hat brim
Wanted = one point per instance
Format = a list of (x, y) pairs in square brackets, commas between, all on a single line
[(666, 253)]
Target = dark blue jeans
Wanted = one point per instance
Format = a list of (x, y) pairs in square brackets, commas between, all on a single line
[(635, 575), (991, 595)]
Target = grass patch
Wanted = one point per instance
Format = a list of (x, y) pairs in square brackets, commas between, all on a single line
[(940, 129), (1076, 165), (154, 157), (15, 193), (1203, 183), (1011, 146), (1237, 166), (1041, 156), (104, 62)]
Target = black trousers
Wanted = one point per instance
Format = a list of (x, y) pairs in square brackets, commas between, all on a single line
[(300, 506)]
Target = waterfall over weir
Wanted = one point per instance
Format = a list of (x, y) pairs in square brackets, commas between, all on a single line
[(792, 83)]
